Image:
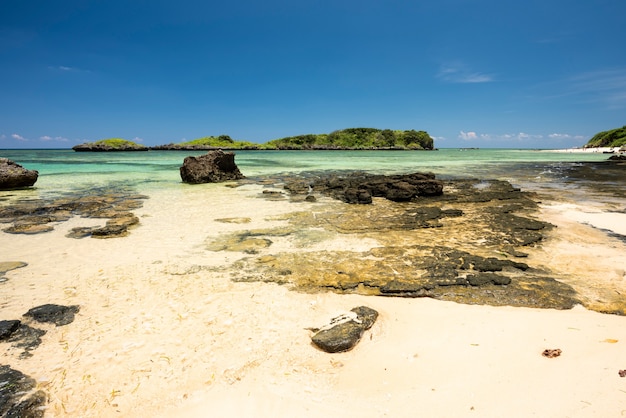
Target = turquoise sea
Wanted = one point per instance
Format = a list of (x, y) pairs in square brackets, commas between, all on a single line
[(64, 170)]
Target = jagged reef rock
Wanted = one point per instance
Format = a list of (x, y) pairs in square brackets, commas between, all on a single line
[(361, 187), (35, 216), (345, 331), (213, 167), (14, 176)]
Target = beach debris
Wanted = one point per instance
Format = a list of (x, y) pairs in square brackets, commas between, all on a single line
[(551, 352), (19, 396), (344, 331), (622, 373), (14, 176), (55, 314), (213, 167)]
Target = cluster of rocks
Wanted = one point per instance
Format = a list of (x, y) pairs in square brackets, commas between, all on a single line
[(19, 396), (14, 176), (361, 187), (458, 240), (40, 215)]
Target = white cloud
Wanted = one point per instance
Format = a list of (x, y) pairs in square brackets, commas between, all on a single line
[(18, 137), (460, 73), (137, 139), (56, 138), (467, 136)]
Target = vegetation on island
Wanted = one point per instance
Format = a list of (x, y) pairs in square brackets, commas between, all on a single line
[(211, 142), (612, 138), (111, 144), (345, 139), (357, 138)]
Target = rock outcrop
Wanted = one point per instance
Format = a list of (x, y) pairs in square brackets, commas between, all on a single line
[(14, 176), (361, 187), (213, 167)]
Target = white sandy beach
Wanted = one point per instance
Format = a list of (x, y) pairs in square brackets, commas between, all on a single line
[(161, 333)]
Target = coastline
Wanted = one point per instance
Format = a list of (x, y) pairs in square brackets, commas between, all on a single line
[(593, 150), (164, 331)]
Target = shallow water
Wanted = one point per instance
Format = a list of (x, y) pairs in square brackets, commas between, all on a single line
[(166, 311), (65, 169)]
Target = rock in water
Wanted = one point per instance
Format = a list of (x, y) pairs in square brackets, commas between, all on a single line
[(213, 167), (14, 176), (56, 314), (345, 331)]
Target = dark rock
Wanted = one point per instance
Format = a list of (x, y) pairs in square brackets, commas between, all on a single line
[(359, 188), (14, 176), (481, 279), (406, 288), (618, 157), (213, 167), (7, 328), (55, 314), (18, 395), (345, 331), (26, 337)]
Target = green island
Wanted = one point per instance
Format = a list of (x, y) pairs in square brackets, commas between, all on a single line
[(612, 138), (345, 139), (111, 144)]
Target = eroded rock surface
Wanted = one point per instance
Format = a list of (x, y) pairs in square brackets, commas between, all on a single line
[(469, 244), (14, 176), (41, 215), (213, 167)]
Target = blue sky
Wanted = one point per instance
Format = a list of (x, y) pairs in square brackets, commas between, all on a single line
[(484, 73)]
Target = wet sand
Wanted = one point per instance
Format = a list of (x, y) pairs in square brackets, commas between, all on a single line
[(162, 332)]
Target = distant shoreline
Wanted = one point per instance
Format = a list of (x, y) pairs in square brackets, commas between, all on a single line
[(594, 150)]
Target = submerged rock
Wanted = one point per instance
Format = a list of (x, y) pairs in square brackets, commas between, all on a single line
[(19, 396), (345, 331), (14, 176), (41, 215), (213, 167)]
